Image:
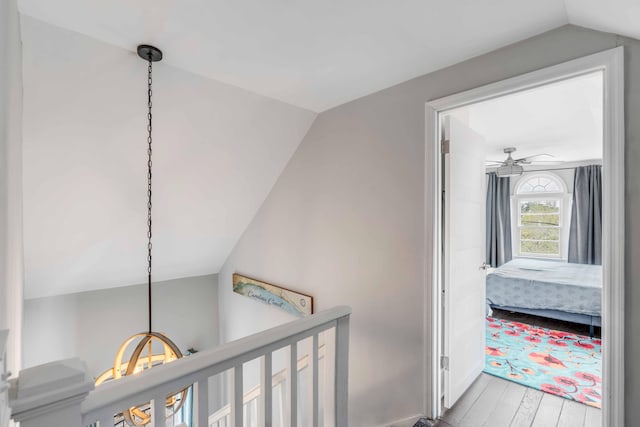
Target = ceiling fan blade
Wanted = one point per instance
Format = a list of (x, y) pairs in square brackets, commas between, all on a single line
[(499, 162), (535, 155), (546, 162)]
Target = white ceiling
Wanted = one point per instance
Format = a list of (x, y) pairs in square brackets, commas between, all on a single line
[(319, 54), (313, 54), (234, 98), (218, 150), (562, 119), (613, 16)]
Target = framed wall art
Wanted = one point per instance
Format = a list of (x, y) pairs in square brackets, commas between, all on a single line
[(290, 301)]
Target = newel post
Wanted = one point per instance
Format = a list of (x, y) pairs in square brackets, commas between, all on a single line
[(51, 394)]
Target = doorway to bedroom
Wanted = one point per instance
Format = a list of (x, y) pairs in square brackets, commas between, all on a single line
[(541, 227), (523, 243)]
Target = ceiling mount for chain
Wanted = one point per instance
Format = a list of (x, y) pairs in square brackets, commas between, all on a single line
[(149, 53)]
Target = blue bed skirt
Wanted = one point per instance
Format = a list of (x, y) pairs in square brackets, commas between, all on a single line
[(583, 319)]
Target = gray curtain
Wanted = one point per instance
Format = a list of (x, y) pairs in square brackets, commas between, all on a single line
[(498, 220), (585, 232)]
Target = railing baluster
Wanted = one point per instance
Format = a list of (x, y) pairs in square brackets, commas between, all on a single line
[(292, 386), (105, 421), (236, 393), (253, 410), (281, 406), (314, 382), (158, 411), (201, 401), (266, 396), (342, 372), (328, 377)]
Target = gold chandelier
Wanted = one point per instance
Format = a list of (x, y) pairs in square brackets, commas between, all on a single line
[(143, 357)]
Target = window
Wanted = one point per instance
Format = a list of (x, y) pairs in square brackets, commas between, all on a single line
[(539, 201), (539, 222), (540, 184)]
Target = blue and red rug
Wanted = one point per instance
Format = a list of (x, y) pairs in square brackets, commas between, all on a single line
[(556, 362)]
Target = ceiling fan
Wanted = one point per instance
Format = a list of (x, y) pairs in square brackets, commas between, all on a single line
[(512, 167)]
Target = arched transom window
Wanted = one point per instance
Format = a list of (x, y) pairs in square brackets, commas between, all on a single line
[(540, 184), (539, 200)]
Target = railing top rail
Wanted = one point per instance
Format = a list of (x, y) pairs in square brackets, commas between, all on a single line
[(130, 387)]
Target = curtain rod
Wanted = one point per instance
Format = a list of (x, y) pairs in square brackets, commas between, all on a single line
[(544, 170)]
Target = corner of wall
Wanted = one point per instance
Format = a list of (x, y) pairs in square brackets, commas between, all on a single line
[(11, 195)]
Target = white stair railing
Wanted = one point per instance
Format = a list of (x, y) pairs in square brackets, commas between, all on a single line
[(251, 401), (59, 394)]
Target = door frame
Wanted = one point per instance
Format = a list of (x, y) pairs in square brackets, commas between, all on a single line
[(611, 63)]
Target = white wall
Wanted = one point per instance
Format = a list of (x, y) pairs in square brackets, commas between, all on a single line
[(92, 325), (217, 151), (11, 271), (345, 223)]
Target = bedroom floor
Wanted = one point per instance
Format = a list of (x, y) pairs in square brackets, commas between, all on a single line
[(495, 402)]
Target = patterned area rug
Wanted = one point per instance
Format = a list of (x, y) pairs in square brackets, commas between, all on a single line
[(556, 362)]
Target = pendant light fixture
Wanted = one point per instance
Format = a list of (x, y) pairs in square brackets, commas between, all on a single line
[(143, 357)]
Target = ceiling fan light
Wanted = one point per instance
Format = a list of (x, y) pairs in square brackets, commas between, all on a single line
[(509, 170)]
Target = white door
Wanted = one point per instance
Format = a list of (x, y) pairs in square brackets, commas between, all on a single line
[(464, 256)]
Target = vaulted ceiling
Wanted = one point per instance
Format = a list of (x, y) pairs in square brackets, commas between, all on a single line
[(240, 85), (217, 151)]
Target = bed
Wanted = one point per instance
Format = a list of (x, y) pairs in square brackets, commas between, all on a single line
[(553, 289)]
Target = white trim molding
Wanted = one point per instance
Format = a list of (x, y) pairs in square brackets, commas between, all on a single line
[(611, 64)]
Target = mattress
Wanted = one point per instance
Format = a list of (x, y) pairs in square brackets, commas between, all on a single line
[(551, 285)]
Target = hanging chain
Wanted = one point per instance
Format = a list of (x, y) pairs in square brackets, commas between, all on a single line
[(149, 164)]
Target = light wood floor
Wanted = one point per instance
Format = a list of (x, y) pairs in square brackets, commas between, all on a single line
[(495, 402)]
